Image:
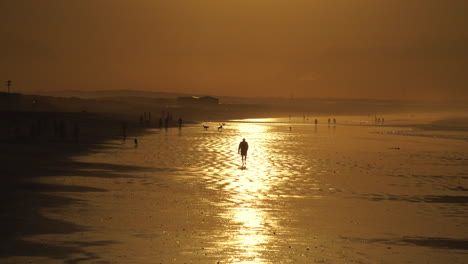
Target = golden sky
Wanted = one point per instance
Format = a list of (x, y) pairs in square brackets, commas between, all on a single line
[(304, 48)]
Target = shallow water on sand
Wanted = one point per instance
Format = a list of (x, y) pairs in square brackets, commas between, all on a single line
[(313, 194)]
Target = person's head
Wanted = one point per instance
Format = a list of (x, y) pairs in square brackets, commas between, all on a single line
[(243, 139)]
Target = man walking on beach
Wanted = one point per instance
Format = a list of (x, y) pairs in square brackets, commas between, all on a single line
[(243, 147)]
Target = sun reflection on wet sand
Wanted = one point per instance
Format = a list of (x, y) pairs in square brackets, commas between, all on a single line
[(248, 188), (251, 198), (304, 197), (249, 206)]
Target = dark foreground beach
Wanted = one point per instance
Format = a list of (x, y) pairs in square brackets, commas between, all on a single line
[(36, 145), (345, 193)]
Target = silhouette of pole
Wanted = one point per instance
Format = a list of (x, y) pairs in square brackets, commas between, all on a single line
[(9, 85)]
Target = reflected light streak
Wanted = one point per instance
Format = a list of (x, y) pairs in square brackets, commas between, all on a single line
[(248, 189), (252, 130), (257, 120)]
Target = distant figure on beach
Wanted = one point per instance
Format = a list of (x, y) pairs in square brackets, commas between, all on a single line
[(243, 147), (180, 122), (166, 122), (329, 121), (136, 142), (334, 121), (316, 122)]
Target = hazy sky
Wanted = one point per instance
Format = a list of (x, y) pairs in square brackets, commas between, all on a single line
[(304, 48)]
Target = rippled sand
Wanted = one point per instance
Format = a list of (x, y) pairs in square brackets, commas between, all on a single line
[(325, 194)]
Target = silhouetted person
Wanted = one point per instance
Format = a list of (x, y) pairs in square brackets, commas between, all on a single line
[(329, 121), (136, 142), (316, 122), (160, 122), (166, 124), (243, 147), (180, 122), (334, 121)]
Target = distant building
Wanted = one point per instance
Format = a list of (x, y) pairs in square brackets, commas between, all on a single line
[(198, 100)]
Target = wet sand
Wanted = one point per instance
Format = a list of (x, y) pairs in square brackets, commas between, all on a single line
[(327, 194)]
